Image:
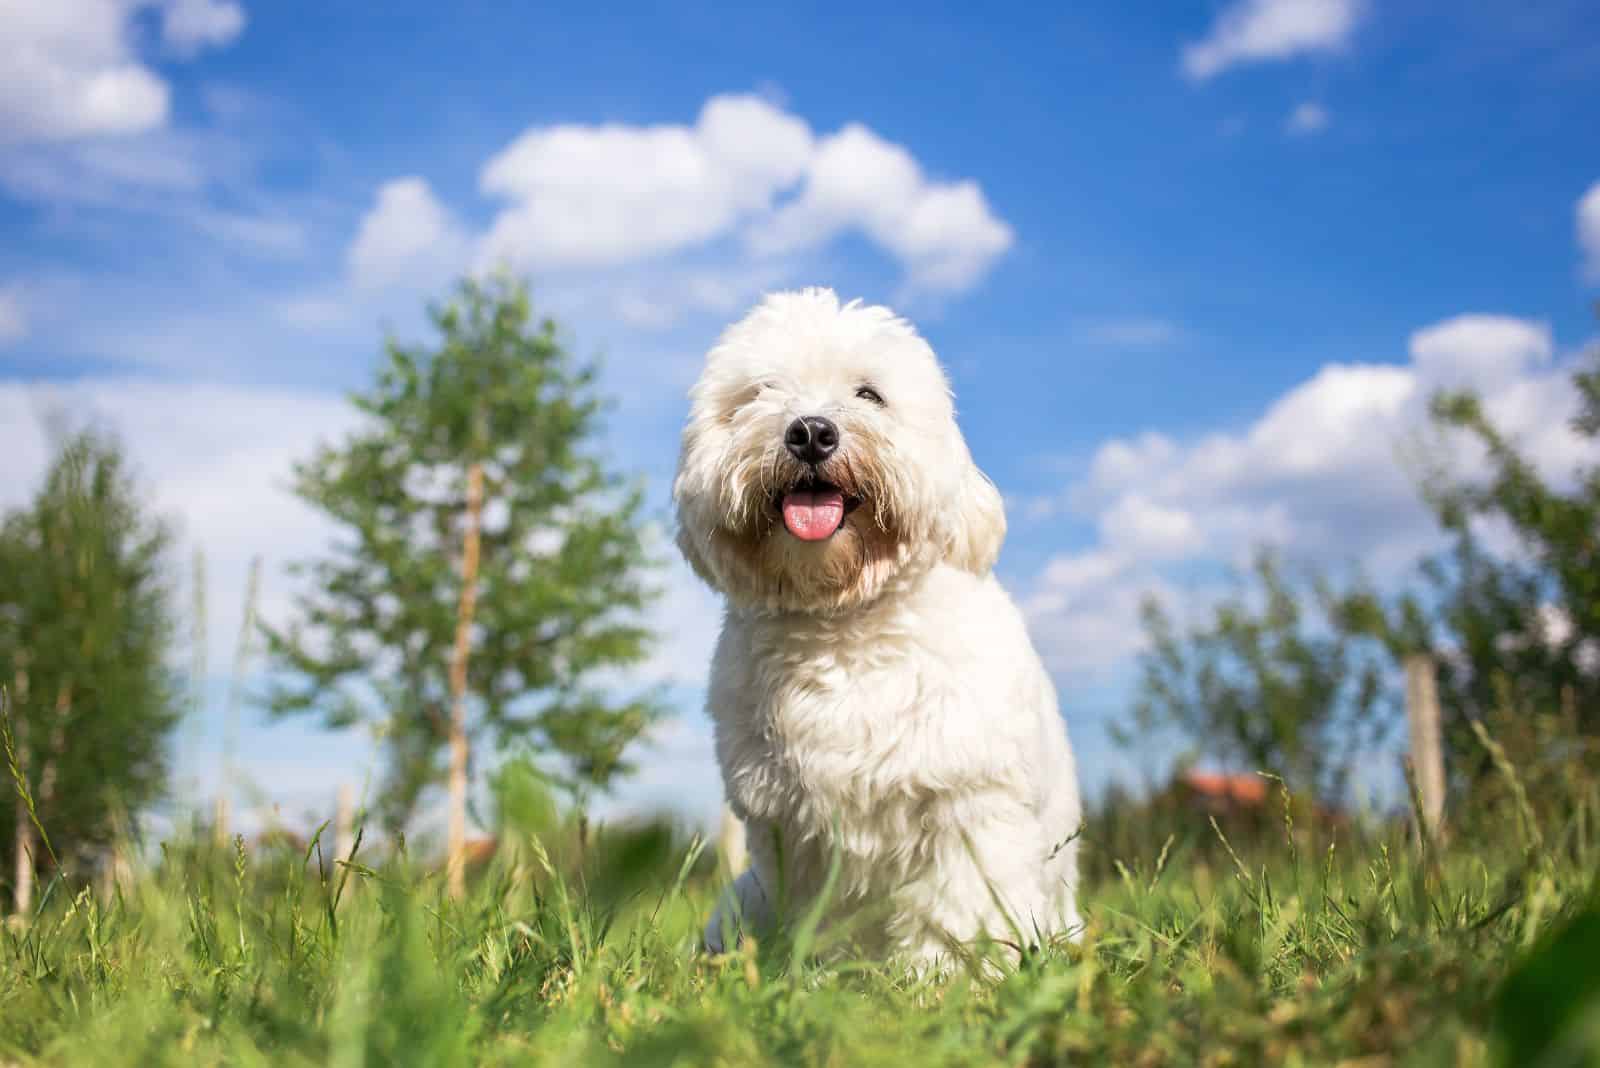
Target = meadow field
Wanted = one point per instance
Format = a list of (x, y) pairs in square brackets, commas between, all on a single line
[(1302, 943)]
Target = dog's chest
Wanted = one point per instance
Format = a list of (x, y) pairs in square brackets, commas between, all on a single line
[(866, 741)]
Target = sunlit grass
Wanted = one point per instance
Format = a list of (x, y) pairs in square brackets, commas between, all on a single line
[(1298, 949)]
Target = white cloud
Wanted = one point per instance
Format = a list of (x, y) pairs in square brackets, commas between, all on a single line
[(1325, 473), (1480, 351), (1083, 610), (594, 196), (1308, 118), (71, 72), (407, 236), (612, 196), (13, 315), (943, 233), (190, 25), (1254, 31), (1150, 529), (1588, 212), (72, 68)]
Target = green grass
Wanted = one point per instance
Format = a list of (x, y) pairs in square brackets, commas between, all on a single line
[(1291, 949)]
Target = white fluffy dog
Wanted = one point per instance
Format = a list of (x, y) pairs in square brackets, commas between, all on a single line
[(875, 694)]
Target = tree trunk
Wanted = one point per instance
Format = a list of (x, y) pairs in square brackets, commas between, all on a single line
[(22, 890), (22, 884), (58, 744), (456, 863)]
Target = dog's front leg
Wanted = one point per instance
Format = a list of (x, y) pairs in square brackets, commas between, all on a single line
[(744, 907), (983, 884)]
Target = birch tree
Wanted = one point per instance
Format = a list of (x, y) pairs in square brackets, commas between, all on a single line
[(489, 572)]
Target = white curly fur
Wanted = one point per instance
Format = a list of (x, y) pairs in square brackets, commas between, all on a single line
[(875, 695)]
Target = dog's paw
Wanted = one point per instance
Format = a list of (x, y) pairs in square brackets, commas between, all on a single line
[(717, 935), (743, 906)]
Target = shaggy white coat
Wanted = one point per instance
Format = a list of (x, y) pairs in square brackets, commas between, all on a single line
[(875, 695)]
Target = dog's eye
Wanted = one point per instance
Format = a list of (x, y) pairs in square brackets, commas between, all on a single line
[(867, 393)]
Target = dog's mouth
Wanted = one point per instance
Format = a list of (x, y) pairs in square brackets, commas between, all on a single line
[(813, 509)]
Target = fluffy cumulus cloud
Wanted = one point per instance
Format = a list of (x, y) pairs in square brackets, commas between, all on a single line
[(73, 70), (1328, 472), (407, 236), (944, 233), (1256, 31), (1588, 212), (747, 184), (588, 196)]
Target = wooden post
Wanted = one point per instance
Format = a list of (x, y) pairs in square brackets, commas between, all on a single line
[(731, 846), (1427, 747)]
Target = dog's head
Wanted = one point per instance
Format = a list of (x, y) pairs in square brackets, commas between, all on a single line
[(822, 460)]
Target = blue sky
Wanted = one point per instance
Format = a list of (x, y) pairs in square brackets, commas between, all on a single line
[(1193, 271)]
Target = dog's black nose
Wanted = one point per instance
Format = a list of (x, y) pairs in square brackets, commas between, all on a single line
[(811, 439)]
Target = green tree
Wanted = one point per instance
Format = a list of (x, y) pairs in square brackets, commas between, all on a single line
[(1267, 683), (488, 571), (86, 632), (1508, 633), (1521, 629)]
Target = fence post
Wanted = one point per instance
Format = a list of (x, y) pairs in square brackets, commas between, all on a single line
[(1427, 748)]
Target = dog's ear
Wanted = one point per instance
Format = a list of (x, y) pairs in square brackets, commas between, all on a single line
[(979, 524), (691, 554)]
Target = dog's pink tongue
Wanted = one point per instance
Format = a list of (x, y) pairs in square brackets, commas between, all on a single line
[(813, 516)]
